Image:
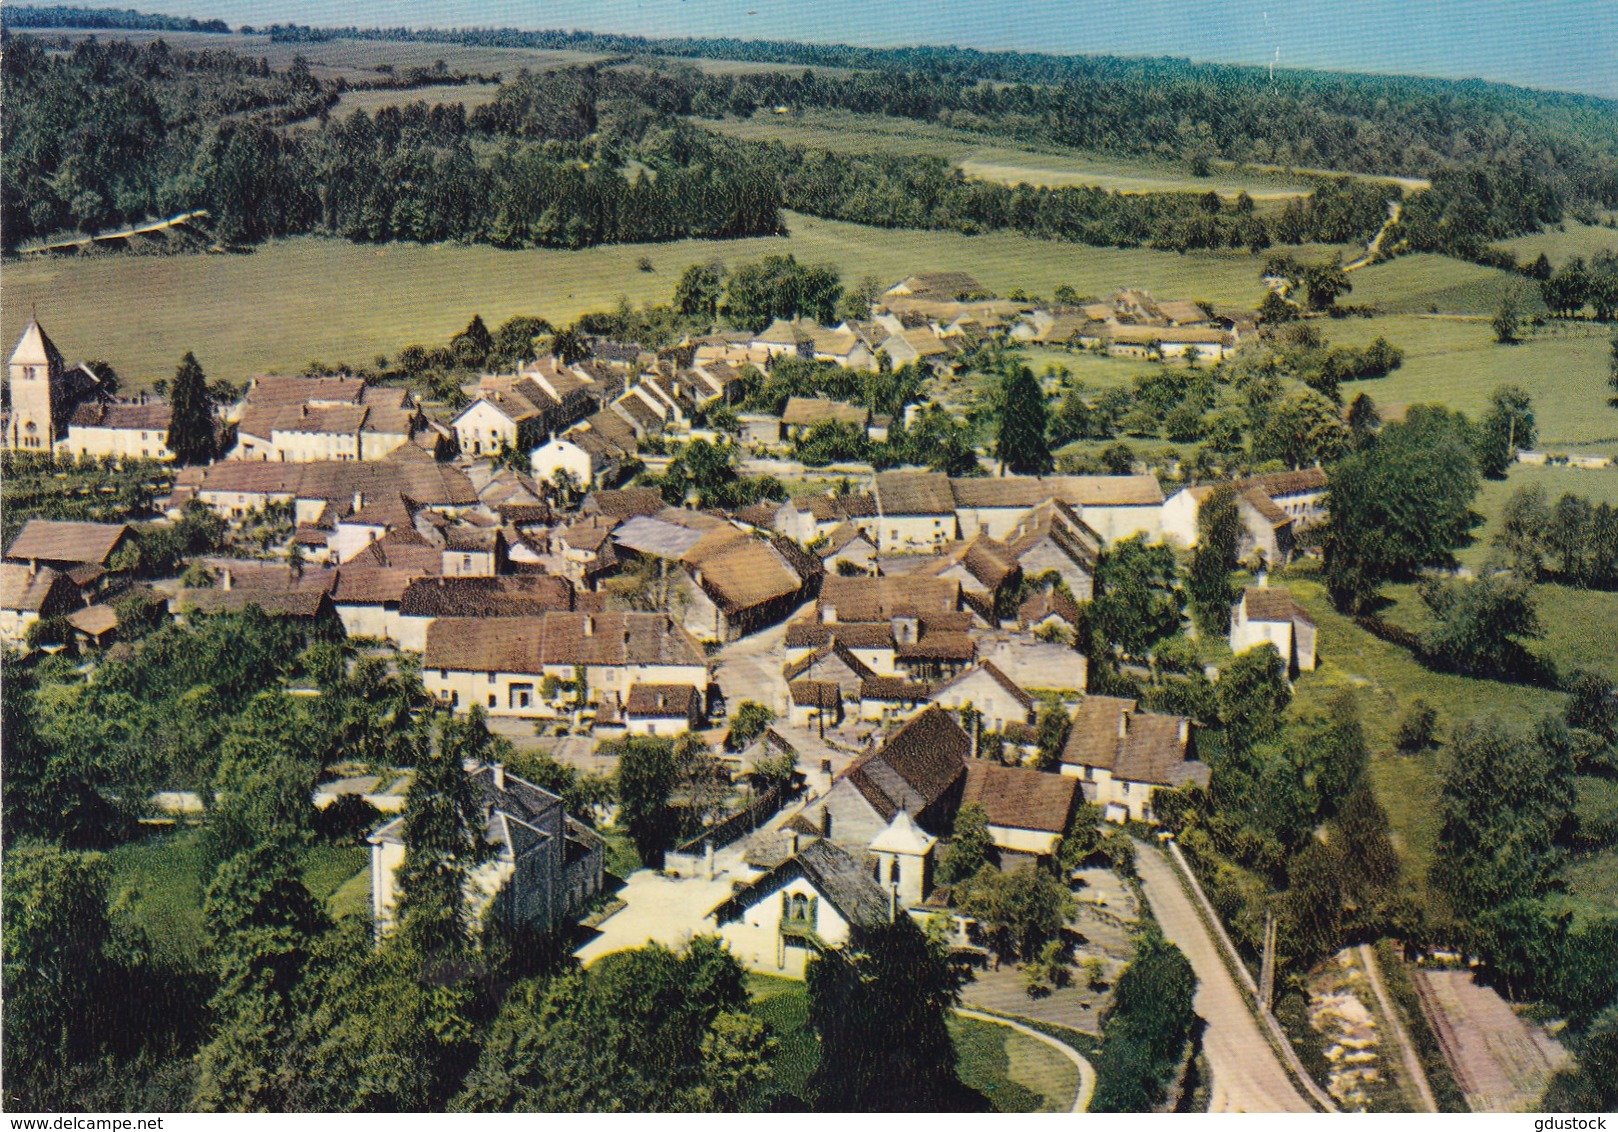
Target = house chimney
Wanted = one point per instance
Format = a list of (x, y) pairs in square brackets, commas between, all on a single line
[(1185, 730), (225, 580), (1264, 577), (589, 625), (828, 614), (1123, 724), (359, 500), (498, 773)]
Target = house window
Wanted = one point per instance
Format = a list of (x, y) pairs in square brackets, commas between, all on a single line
[(443, 674), (466, 562), (492, 699), (893, 871), (522, 695), (491, 678)]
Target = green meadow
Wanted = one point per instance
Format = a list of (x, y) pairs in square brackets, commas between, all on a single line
[(290, 301)]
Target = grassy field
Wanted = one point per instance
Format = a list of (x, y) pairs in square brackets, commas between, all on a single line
[(169, 873), (992, 160), (469, 95), (355, 60), (293, 300), (1598, 486), (1016, 1073), (1563, 242), (1384, 680), (1433, 284), (1456, 362)]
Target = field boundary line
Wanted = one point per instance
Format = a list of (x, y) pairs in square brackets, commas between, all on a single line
[(1087, 1072)]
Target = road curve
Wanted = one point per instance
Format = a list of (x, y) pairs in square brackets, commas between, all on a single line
[(1087, 1073), (1247, 1074)]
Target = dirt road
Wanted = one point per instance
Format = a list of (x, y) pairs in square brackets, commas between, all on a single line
[(1247, 1074)]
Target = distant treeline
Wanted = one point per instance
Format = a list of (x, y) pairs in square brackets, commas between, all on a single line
[(67, 16), (1165, 107), (107, 133)]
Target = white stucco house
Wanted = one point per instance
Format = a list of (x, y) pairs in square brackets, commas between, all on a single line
[(1271, 615)]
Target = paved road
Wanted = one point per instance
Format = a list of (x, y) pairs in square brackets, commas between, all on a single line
[(1247, 1074)]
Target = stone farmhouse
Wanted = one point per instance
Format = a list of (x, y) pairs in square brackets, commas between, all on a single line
[(1271, 615), (1123, 756), (546, 866)]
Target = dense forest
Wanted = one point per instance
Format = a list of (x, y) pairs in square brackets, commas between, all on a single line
[(109, 133), (112, 19), (1168, 107)]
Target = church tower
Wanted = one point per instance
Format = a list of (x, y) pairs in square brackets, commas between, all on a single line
[(39, 392)]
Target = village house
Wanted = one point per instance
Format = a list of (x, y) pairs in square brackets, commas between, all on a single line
[(278, 589), (94, 626), (503, 665), (986, 571), (803, 413), (30, 593), (1039, 666), (849, 551), (323, 492), (1112, 507), (808, 902), (997, 699), (815, 704), (301, 420), (1050, 612), (904, 625), (915, 512), (546, 866), (892, 699), (85, 550), (424, 600), (663, 709), (729, 583), (45, 393), (812, 517), (1029, 811), (1271, 615), (919, 771), (122, 430), (1052, 539), (1273, 507), (1123, 756)]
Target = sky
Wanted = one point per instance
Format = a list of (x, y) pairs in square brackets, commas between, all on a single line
[(1549, 44)]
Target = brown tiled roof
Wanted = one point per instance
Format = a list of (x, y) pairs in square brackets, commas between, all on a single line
[(340, 420), (989, 562), (811, 633), (33, 591), (746, 575), (663, 701), (369, 585), (812, 410), (914, 493), (527, 644), (1261, 502), (94, 620), (895, 689), (423, 480), (797, 668), (841, 536), (280, 603), (1016, 798), (625, 502), (943, 284), (1045, 603), (151, 416), (520, 595), (843, 879), (57, 540), (943, 645), (915, 767), (824, 694), (1273, 603), (277, 390), (878, 599), (1109, 734), (1301, 482), (1084, 491)]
